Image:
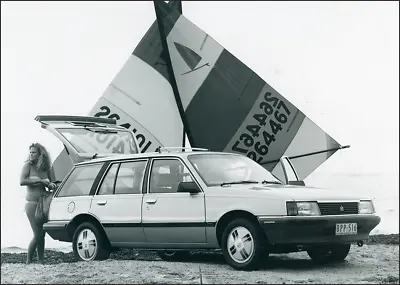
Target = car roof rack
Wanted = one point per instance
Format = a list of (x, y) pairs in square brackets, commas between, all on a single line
[(178, 148)]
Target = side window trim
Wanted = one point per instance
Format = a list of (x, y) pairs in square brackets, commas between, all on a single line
[(148, 173), (167, 158), (191, 174), (75, 169), (116, 176), (110, 164), (135, 162), (104, 172), (64, 181), (99, 176), (146, 176)]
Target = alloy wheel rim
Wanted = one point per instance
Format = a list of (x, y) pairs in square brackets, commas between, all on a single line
[(87, 245), (240, 244)]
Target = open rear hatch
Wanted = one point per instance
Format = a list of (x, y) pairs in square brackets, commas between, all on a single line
[(86, 138)]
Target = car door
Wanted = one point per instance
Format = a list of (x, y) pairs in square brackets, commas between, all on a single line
[(117, 203), (85, 138), (289, 172), (168, 217)]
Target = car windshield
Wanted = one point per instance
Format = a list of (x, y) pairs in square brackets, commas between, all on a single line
[(100, 141), (224, 169)]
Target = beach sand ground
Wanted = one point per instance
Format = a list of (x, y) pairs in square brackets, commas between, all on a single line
[(374, 263)]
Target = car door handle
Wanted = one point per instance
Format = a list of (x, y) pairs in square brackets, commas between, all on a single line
[(101, 203), (151, 201)]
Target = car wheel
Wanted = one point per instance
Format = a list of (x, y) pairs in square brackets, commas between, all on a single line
[(89, 243), (242, 244), (172, 255), (323, 254)]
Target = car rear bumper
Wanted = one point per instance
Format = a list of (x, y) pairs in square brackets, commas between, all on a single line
[(57, 230), (310, 230)]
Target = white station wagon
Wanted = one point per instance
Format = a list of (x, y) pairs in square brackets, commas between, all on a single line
[(177, 201)]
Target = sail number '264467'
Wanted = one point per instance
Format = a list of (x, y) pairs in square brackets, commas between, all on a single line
[(257, 143)]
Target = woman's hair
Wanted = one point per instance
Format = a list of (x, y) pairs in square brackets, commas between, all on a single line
[(44, 162)]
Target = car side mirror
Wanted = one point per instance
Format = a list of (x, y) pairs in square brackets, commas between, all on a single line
[(300, 183), (188, 187)]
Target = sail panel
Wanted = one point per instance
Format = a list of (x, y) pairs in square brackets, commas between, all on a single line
[(150, 48), (305, 165), (310, 138), (135, 98), (185, 34), (230, 108)]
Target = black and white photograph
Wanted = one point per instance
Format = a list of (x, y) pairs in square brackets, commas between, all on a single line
[(200, 142)]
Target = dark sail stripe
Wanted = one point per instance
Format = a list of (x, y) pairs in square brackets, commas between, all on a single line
[(150, 49), (222, 102), (166, 19)]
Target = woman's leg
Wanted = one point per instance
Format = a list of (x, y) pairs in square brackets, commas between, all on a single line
[(37, 241), (40, 243)]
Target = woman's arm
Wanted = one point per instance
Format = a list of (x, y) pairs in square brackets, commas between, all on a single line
[(24, 180), (51, 176)]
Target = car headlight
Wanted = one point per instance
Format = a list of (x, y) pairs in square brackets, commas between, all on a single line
[(302, 209), (366, 207)]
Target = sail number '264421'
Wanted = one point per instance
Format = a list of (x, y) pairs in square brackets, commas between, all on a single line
[(144, 144)]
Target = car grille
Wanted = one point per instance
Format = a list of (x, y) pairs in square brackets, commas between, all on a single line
[(344, 208)]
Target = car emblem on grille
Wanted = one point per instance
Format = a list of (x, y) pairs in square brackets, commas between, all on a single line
[(341, 208)]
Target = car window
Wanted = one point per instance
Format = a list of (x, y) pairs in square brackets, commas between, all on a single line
[(216, 169), (107, 186), (89, 141), (80, 181), (166, 174), (130, 177)]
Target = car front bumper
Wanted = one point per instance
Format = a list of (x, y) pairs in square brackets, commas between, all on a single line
[(315, 229)]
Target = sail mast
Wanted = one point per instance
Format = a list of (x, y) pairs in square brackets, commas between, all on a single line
[(160, 21)]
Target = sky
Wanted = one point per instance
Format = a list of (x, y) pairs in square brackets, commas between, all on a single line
[(338, 62)]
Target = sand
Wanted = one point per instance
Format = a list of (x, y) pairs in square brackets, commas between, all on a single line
[(375, 263)]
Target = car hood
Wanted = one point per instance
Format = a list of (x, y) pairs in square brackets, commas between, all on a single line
[(297, 193)]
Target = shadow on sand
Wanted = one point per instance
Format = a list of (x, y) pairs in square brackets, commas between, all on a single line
[(274, 261)]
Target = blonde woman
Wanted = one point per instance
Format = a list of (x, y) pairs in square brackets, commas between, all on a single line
[(36, 175)]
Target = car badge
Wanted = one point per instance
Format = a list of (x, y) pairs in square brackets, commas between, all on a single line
[(341, 208)]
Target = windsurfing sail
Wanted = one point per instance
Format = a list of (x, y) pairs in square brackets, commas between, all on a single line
[(140, 99), (223, 103), (228, 107)]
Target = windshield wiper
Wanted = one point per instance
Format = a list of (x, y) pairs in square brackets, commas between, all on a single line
[(271, 182), (238, 182)]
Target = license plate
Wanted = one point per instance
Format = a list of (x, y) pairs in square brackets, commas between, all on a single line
[(346, 229)]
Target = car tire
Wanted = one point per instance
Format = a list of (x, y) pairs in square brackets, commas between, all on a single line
[(172, 255), (243, 245), (89, 243), (332, 253)]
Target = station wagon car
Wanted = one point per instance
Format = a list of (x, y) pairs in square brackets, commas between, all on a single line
[(177, 200)]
